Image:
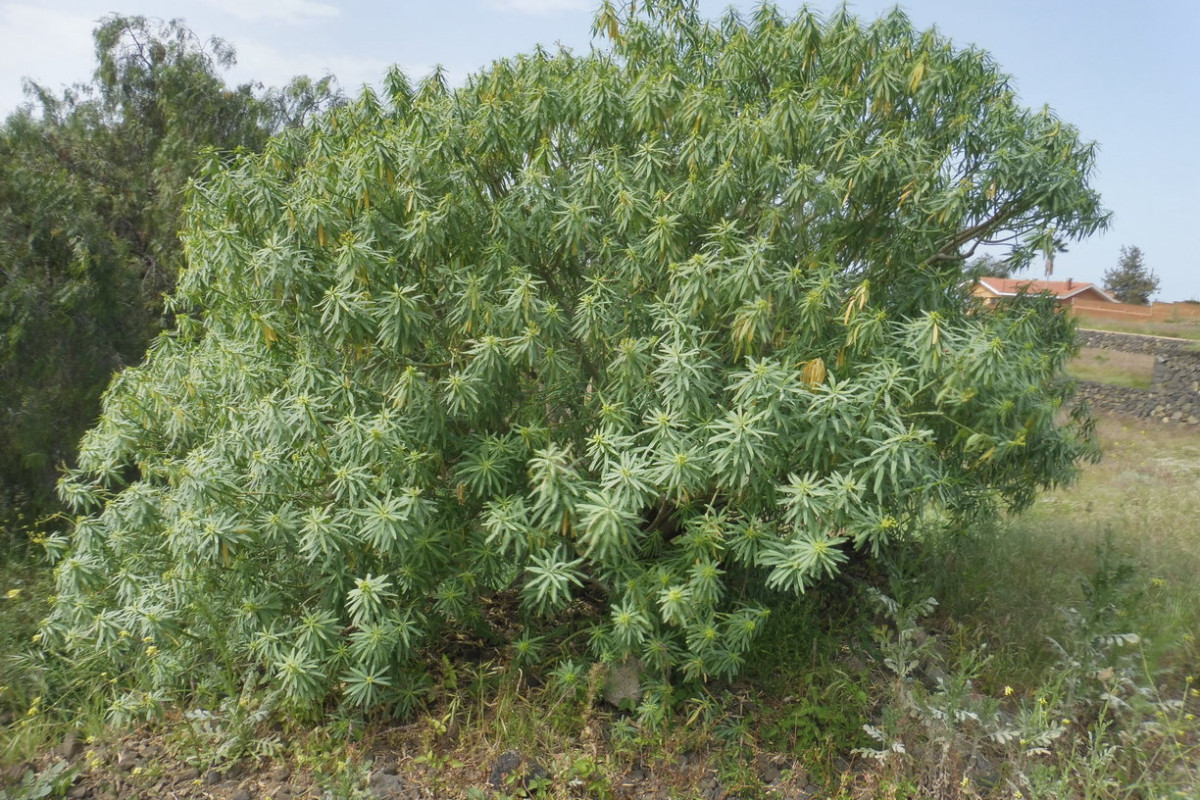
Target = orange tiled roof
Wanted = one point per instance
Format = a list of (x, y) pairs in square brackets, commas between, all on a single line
[(1007, 287)]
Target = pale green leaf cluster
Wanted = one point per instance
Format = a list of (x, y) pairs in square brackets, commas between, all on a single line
[(664, 326)]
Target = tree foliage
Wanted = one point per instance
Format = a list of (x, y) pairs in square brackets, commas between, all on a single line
[(668, 326), (1131, 281), (987, 265), (91, 199)]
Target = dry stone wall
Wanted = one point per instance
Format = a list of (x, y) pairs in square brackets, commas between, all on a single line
[(1136, 343), (1174, 395)]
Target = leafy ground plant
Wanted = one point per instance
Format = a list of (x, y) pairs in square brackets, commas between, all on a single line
[(659, 329), (1072, 680)]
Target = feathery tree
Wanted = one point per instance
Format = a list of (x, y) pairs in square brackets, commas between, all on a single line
[(670, 325), (91, 199), (1131, 281), (986, 265)]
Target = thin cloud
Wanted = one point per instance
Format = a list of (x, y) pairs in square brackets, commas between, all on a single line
[(541, 7), (283, 10), (53, 48), (269, 65), (262, 62)]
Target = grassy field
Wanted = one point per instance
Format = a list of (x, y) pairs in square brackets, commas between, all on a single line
[(1181, 328), (1110, 366), (1058, 661)]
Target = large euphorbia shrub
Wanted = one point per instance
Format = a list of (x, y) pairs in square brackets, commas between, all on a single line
[(673, 324)]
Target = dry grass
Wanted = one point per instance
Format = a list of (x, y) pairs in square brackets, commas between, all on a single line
[(1180, 328), (1045, 594), (1134, 370), (1140, 503), (1146, 490), (1135, 512)]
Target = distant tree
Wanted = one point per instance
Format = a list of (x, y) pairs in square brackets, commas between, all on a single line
[(1131, 281), (91, 198), (987, 266), (297, 103)]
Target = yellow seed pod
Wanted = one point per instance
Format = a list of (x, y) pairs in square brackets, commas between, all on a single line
[(813, 372)]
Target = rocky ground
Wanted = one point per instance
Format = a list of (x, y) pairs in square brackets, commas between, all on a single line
[(144, 767)]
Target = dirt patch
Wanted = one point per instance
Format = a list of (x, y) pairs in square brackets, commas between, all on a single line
[(400, 766)]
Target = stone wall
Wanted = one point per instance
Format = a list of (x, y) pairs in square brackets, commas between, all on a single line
[(1136, 343), (1174, 395)]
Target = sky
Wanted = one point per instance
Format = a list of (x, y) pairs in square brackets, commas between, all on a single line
[(1126, 74)]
